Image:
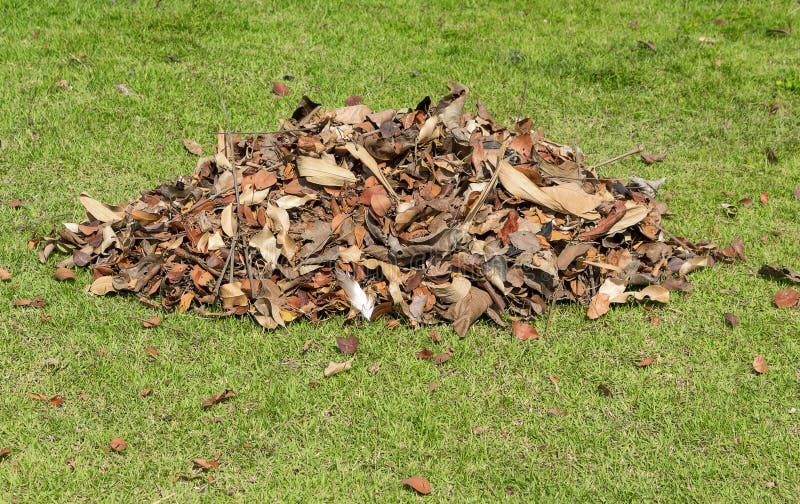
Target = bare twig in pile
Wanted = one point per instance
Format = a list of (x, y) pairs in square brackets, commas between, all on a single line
[(635, 150)]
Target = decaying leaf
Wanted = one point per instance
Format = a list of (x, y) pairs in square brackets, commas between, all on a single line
[(760, 364), (347, 345), (218, 398), (524, 331), (118, 444), (322, 172), (786, 298), (100, 211), (337, 367), (193, 147), (778, 273), (205, 464), (645, 362), (279, 88), (4, 275), (102, 286), (599, 306), (731, 320), (419, 484), (5, 452)]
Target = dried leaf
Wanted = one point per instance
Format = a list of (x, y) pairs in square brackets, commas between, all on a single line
[(228, 220), (777, 273), (146, 392), (100, 211), (5, 452), (218, 398), (524, 331), (347, 346), (646, 44), (151, 351), (441, 358), (322, 172), (731, 320), (279, 88), (118, 444), (598, 306), (17, 203), (204, 464), (4, 275), (151, 322), (786, 298), (193, 147), (760, 364), (421, 485), (337, 367), (645, 362)]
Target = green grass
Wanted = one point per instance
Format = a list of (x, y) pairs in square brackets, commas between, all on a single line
[(697, 425)]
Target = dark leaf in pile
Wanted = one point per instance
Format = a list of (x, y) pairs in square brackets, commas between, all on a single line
[(433, 213), (777, 273)]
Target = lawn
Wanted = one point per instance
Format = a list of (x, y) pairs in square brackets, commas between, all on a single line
[(696, 425)]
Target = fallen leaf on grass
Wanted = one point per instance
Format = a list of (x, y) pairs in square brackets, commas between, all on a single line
[(123, 89), (146, 392), (102, 285), (306, 346), (421, 485), (746, 202), (151, 322), (441, 358), (337, 367), (480, 429), (17, 203), (771, 156), (118, 444), (347, 346), (63, 274), (5, 452), (598, 306), (796, 193), (4, 275), (425, 354), (374, 368), (650, 158), (645, 362), (218, 398), (760, 364), (524, 331), (34, 303), (605, 390), (774, 108), (646, 44), (764, 198), (556, 412), (786, 298), (731, 320), (204, 464), (193, 147), (151, 351), (280, 89), (780, 31), (777, 273)]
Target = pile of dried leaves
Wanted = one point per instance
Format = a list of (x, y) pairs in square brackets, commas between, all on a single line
[(432, 213)]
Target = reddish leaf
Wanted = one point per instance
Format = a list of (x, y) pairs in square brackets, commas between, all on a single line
[(56, 401), (646, 362), (760, 364), (151, 322), (553, 379), (524, 331), (215, 399), (746, 202), (764, 197), (352, 100), (5, 452), (151, 351), (34, 303), (280, 89), (17, 203), (118, 444), (774, 108), (421, 485), (425, 354), (785, 298), (347, 346), (146, 392), (441, 358)]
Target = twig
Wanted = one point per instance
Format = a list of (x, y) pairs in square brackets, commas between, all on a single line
[(246, 250), (636, 150), (197, 260), (484, 194), (522, 98)]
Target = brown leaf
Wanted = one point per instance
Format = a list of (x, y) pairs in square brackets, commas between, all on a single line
[(347, 346), (62, 274), (796, 193), (118, 444), (421, 485), (425, 354), (646, 44), (204, 464), (605, 390), (786, 298), (760, 364), (218, 398), (764, 198), (746, 202), (337, 367), (38, 397), (56, 401), (731, 320), (151, 351), (193, 147), (17, 203), (776, 273), (524, 331), (306, 346), (771, 156), (146, 392), (374, 368), (598, 306), (774, 108), (556, 412), (650, 158), (5, 452), (469, 309), (352, 100), (279, 88), (33, 303), (480, 429), (645, 362), (441, 358), (4, 275), (151, 322), (435, 336)]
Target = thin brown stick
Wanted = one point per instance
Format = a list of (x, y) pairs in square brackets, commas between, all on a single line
[(635, 150), (197, 260), (171, 328)]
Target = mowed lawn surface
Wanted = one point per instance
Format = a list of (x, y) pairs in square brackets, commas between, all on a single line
[(697, 424)]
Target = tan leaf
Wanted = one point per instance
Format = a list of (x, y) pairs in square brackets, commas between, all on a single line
[(598, 306), (323, 172), (186, 301), (4, 275), (421, 485), (653, 293), (337, 367), (204, 464), (62, 274), (102, 286), (524, 331), (232, 295), (118, 444), (146, 392), (694, 263), (151, 351), (151, 322), (760, 364), (100, 211), (193, 147), (228, 220), (367, 160)]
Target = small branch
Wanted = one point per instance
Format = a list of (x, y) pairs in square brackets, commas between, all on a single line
[(636, 150)]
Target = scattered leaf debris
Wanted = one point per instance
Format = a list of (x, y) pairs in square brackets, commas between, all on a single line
[(118, 444), (5, 275), (645, 362), (524, 331), (431, 214), (760, 364), (218, 398)]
